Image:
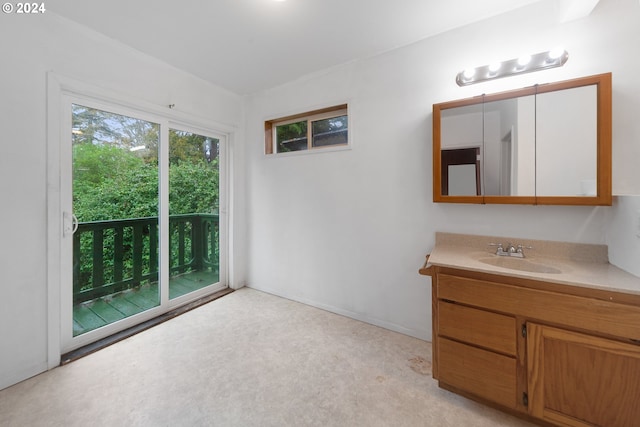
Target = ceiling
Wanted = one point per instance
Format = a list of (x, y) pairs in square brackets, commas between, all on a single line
[(247, 46)]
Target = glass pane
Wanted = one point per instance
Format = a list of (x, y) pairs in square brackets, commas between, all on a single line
[(194, 232), (566, 129), (331, 131), (115, 198), (292, 137), (509, 147), (461, 142)]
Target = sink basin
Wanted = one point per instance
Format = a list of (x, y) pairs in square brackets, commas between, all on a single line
[(520, 264)]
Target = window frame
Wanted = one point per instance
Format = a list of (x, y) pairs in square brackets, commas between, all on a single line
[(270, 126)]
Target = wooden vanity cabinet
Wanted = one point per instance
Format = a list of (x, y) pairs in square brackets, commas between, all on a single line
[(554, 354)]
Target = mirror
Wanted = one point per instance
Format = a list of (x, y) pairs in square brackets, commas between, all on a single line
[(545, 144)]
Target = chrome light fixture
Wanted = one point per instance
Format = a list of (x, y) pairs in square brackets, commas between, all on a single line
[(524, 64)]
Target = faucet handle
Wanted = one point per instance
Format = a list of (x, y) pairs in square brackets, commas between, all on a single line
[(499, 250), (520, 252)]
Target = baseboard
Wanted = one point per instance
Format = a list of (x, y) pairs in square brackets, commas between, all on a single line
[(22, 375), (415, 333)]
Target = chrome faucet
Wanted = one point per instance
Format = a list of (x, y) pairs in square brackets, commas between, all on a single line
[(511, 250)]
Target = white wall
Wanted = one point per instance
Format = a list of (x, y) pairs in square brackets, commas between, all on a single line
[(30, 46), (348, 230), (623, 233)]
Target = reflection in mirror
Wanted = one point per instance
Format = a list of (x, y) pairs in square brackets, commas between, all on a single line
[(566, 142), (509, 144), (503, 133), (461, 172), (462, 151), (463, 180), (461, 127)]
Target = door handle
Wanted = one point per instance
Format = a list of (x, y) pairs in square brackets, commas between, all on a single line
[(69, 223)]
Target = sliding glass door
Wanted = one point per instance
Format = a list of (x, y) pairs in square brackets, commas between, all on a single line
[(194, 206), (142, 228)]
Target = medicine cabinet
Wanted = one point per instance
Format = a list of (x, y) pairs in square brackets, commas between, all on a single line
[(545, 144)]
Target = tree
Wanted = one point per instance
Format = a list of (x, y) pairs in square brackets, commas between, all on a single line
[(291, 132), (114, 180), (93, 126)]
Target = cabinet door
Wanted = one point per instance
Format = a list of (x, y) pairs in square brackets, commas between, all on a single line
[(581, 380)]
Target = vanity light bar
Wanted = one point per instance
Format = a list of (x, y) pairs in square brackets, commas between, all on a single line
[(524, 64)]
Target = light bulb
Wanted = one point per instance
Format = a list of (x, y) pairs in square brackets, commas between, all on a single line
[(556, 52), (524, 60)]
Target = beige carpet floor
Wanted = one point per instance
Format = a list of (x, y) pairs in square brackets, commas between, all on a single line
[(249, 359)]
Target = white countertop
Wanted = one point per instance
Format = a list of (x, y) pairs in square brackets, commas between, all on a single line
[(580, 264)]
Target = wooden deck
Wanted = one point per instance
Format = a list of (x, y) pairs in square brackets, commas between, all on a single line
[(103, 311)]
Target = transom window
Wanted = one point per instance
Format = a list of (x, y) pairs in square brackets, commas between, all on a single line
[(317, 129)]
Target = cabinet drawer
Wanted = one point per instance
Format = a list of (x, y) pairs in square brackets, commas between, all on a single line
[(482, 328), (603, 317), (483, 373)]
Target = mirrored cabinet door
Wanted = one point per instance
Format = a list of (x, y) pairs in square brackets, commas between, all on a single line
[(566, 142), (462, 151)]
